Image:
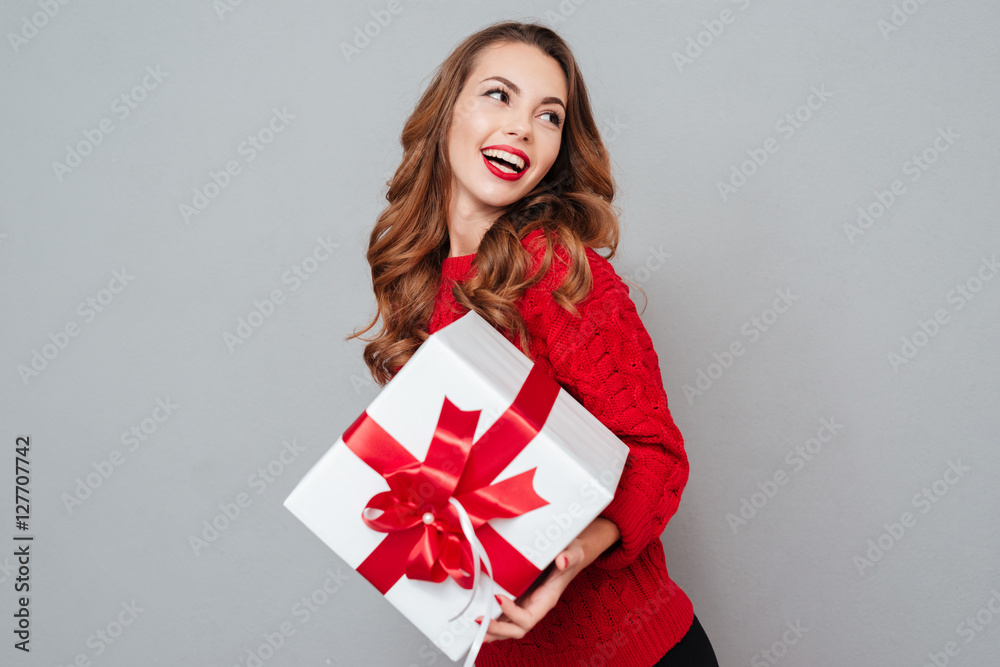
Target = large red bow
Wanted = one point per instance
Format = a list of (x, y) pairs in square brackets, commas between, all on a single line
[(425, 540)]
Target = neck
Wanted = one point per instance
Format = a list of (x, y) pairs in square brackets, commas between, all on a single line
[(467, 225)]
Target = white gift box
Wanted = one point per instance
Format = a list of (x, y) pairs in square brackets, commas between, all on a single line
[(577, 462)]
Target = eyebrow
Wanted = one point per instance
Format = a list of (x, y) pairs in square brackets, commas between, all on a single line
[(517, 91)]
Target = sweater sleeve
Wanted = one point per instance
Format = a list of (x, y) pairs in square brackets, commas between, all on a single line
[(604, 358)]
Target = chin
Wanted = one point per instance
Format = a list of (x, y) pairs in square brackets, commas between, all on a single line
[(497, 199), (501, 202)]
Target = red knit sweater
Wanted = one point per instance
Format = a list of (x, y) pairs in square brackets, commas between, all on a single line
[(623, 609)]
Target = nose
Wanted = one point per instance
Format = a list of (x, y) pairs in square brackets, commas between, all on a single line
[(518, 127), (516, 134)]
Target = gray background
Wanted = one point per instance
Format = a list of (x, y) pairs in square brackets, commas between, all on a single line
[(674, 133)]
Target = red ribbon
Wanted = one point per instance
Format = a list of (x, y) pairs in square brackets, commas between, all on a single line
[(425, 540)]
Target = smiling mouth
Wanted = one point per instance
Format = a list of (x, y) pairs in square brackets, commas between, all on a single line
[(503, 164)]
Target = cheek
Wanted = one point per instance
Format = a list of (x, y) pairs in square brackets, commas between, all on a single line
[(465, 108), (459, 139), (545, 167), (551, 153), (467, 132), (470, 116)]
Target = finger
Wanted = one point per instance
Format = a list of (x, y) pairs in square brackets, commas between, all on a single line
[(553, 572), (489, 636), (563, 570), (515, 613), (543, 598), (569, 557), (492, 623), (504, 630)]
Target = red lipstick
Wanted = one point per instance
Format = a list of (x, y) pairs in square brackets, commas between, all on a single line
[(503, 174)]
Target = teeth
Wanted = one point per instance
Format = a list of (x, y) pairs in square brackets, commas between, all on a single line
[(504, 168), (504, 155)]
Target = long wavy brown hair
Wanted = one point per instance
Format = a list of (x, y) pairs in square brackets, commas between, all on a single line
[(572, 204)]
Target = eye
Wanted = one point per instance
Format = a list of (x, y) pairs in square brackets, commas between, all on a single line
[(556, 118), (499, 90)]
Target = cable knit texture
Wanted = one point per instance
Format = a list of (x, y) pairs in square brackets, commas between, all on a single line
[(623, 610)]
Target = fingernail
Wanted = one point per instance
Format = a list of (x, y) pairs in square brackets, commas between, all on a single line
[(479, 621), (499, 601)]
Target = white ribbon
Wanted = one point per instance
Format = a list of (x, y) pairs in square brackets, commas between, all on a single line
[(478, 552)]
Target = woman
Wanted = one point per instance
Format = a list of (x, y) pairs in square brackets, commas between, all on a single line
[(502, 196)]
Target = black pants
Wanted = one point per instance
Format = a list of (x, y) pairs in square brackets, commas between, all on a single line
[(693, 650)]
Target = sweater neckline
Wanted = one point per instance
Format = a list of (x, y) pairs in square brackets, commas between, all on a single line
[(456, 267)]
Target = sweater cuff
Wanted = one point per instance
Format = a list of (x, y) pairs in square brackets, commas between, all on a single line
[(639, 518)]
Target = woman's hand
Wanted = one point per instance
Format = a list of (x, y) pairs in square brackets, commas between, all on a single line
[(520, 616)]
